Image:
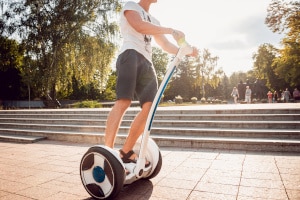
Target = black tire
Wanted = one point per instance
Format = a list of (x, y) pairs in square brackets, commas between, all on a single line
[(101, 173), (157, 168)]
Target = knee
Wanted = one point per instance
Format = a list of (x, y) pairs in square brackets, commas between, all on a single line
[(122, 104), (147, 106)]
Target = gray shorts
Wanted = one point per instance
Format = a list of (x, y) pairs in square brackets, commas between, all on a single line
[(135, 75)]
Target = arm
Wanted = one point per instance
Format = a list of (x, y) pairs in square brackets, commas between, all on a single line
[(144, 27), (165, 44)]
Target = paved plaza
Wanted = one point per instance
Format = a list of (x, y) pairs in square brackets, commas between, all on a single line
[(50, 170)]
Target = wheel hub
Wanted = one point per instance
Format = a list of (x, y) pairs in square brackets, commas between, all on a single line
[(98, 174)]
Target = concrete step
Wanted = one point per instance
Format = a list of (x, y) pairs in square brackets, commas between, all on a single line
[(20, 138), (242, 127), (187, 110), (130, 116), (92, 123), (189, 129), (167, 132), (228, 143)]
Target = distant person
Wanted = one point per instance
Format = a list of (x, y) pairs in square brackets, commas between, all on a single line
[(235, 94), (241, 88), (275, 96), (270, 97), (286, 95), (248, 94), (296, 94)]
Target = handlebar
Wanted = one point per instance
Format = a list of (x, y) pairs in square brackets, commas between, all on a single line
[(184, 48)]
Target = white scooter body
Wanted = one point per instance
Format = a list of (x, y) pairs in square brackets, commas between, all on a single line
[(102, 170)]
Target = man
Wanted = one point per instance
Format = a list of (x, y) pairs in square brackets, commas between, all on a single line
[(235, 94), (248, 94), (135, 71), (296, 94), (287, 95)]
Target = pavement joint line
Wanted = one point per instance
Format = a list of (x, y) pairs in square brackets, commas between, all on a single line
[(281, 178), (241, 176)]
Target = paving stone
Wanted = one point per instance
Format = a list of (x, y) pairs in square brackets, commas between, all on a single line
[(262, 183), (15, 197), (263, 193), (293, 194), (50, 170), (197, 195)]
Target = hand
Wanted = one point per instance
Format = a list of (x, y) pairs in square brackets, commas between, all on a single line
[(195, 52), (178, 35)]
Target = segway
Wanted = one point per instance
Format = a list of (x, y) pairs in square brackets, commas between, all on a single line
[(102, 171)]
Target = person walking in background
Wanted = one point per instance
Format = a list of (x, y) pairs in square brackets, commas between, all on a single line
[(296, 94), (248, 94), (270, 97), (235, 94), (275, 96), (282, 96), (287, 95)]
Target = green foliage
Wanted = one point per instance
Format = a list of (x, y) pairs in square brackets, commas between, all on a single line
[(288, 63), (87, 104), (160, 61), (110, 90), (191, 75), (65, 38), (11, 54), (11, 60), (264, 67), (285, 17), (206, 72)]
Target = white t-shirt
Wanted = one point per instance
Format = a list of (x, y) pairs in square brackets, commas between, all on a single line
[(133, 39)]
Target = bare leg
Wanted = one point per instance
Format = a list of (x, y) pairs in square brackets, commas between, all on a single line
[(137, 127), (114, 120)]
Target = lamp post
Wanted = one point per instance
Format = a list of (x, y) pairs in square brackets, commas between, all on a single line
[(202, 81), (29, 96)]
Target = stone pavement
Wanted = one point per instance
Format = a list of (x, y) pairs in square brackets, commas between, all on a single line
[(50, 170)]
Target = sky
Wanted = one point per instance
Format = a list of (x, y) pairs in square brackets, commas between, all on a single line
[(230, 29)]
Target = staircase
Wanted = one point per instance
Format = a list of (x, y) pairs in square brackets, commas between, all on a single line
[(258, 127)]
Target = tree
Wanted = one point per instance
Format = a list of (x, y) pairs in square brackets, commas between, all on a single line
[(206, 71), (11, 54), (160, 61), (53, 31), (182, 81), (110, 90), (11, 60), (264, 67), (224, 88), (285, 17)]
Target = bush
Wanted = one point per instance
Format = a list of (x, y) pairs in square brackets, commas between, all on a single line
[(216, 101), (87, 104), (203, 100), (264, 101), (178, 99), (194, 100)]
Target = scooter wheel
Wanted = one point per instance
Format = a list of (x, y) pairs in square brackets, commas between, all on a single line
[(101, 173), (157, 168)]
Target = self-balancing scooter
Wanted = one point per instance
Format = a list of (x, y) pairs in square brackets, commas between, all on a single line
[(102, 171)]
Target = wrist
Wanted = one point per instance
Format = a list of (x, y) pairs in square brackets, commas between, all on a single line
[(174, 32)]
